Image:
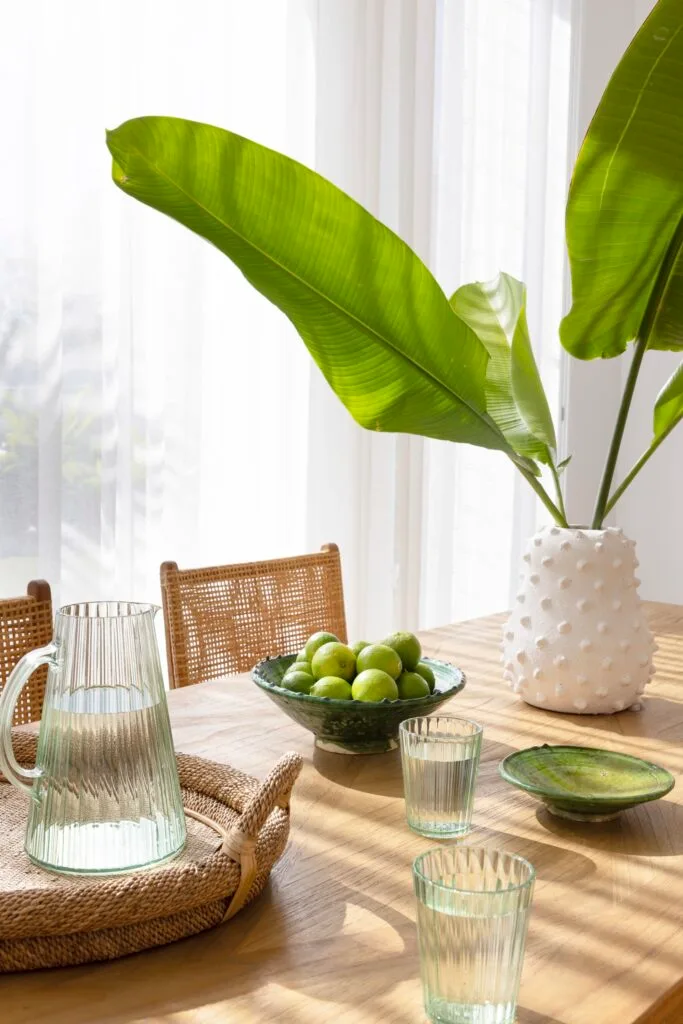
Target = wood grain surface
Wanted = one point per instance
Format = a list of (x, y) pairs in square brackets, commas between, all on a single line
[(333, 938)]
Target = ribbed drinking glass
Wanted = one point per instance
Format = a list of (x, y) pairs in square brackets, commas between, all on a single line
[(440, 759), (473, 908), (105, 795)]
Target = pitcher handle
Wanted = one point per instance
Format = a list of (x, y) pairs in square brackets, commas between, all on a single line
[(26, 666)]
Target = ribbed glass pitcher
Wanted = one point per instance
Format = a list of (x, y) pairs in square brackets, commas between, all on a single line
[(104, 795)]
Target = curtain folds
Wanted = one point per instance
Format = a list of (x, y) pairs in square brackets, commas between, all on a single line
[(152, 405)]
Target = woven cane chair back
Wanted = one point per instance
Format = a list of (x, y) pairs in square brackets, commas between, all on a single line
[(26, 623), (224, 619)]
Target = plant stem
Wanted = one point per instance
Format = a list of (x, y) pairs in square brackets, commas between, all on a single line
[(628, 479), (558, 489), (558, 516), (613, 454), (642, 341)]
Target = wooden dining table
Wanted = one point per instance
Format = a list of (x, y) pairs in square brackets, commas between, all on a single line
[(333, 937)]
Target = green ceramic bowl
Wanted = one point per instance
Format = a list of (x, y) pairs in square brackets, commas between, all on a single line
[(353, 726), (585, 783)]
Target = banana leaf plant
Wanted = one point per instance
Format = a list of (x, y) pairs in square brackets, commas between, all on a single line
[(398, 353)]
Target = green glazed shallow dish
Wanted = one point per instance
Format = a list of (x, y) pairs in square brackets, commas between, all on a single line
[(586, 783), (354, 726)]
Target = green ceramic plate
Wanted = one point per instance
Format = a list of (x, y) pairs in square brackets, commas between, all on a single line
[(354, 726), (586, 783)]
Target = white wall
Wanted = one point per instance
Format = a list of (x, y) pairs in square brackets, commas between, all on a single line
[(593, 388), (650, 511)]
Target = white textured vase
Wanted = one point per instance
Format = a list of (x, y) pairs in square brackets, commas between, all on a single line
[(577, 639)]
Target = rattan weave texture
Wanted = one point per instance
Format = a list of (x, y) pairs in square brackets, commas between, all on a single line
[(224, 619), (26, 623), (50, 920)]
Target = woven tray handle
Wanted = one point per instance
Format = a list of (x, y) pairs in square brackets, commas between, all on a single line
[(274, 791), (240, 841)]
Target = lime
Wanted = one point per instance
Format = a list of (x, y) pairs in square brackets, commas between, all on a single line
[(332, 686), (379, 656), (372, 685), (299, 682), (407, 646), (423, 669), (300, 666), (410, 685), (359, 645), (302, 656), (316, 641), (334, 659)]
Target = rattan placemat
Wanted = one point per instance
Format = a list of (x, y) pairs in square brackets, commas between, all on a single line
[(237, 829)]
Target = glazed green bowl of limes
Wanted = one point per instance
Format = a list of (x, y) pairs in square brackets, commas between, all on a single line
[(353, 726)]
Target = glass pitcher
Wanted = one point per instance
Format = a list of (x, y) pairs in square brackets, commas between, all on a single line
[(104, 795)]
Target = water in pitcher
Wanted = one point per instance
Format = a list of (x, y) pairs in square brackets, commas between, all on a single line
[(106, 800)]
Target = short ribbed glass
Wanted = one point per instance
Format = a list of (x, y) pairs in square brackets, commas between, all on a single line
[(105, 794), (472, 916), (440, 759)]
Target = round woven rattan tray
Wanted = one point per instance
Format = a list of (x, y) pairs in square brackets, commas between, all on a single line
[(237, 829)]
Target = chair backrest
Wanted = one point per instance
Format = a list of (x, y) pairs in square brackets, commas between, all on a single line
[(26, 623), (224, 619)]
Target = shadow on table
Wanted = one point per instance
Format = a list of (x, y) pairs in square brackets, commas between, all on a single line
[(381, 773), (551, 863), (268, 963), (368, 773), (665, 708), (525, 1016), (652, 830), (638, 719)]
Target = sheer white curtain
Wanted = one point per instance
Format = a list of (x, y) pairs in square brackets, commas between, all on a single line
[(152, 405)]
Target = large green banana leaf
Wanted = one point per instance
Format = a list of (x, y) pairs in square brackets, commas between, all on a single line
[(373, 317), (515, 399), (626, 201)]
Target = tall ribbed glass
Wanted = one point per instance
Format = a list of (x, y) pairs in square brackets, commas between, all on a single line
[(440, 759), (473, 909), (106, 797)]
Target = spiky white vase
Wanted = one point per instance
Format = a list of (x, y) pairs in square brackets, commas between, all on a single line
[(577, 639)]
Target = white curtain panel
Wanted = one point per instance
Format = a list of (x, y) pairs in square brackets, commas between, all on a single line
[(152, 405)]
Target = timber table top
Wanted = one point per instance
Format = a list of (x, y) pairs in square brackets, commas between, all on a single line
[(333, 937)]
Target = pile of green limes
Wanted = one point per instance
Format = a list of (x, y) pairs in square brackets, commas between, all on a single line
[(390, 670)]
